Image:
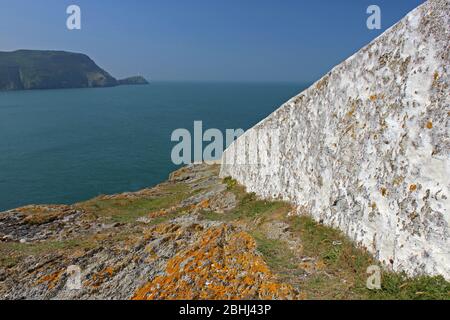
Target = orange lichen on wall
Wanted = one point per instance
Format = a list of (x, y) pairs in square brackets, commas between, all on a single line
[(222, 264)]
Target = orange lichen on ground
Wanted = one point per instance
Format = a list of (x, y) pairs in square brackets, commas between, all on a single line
[(430, 125), (204, 204), (222, 264), (51, 280), (163, 212), (373, 97), (158, 214), (100, 277), (412, 187), (38, 215)]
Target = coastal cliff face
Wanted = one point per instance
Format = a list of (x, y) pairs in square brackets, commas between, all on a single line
[(34, 69), (366, 149)]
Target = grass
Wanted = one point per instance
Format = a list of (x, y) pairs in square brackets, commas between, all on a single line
[(344, 266), (399, 286), (129, 210), (12, 252), (276, 253), (249, 206)]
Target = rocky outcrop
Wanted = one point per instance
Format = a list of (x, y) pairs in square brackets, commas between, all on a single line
[(137, 80), (366, 149), (195, 236), (150, 244)]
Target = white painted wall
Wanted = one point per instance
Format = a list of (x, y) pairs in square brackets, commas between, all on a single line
[(366, 149)]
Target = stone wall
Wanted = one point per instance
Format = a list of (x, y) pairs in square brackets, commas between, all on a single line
[(366, 148)]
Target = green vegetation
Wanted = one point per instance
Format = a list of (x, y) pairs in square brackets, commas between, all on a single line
[(319, 261), (339, 268), (249, 206), (346, 265), (276, 253), (399, 286), (12, 252), (127, 210)]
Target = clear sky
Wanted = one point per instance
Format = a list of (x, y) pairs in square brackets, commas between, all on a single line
[(202, 40)]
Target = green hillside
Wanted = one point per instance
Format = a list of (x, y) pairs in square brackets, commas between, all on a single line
[(31, 69)]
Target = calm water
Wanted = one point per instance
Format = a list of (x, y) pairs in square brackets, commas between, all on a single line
[(65, 146)]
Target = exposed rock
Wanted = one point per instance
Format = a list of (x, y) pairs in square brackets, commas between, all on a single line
[(130, 260)]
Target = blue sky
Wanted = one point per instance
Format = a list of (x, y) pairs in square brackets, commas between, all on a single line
[(202, 40)]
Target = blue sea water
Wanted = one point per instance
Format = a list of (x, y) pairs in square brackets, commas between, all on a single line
[(66, 146)]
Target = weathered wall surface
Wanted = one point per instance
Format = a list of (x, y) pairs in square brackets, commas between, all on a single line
[(366, 149)]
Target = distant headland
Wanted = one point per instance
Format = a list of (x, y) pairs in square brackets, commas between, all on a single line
[(35, 69)]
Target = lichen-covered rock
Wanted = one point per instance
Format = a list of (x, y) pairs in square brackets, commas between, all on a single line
[(162, 248), (366, 149)]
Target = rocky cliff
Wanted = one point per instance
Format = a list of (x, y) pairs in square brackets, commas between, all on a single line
[(366, 148), (33, 69)]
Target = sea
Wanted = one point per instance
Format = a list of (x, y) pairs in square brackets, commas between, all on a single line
[(67, 146)]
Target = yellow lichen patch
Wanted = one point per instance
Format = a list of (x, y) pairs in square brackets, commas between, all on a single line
[(373, 205), (222, 264), (430, 125), (412, 187), (436, 76), (51, 280)]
